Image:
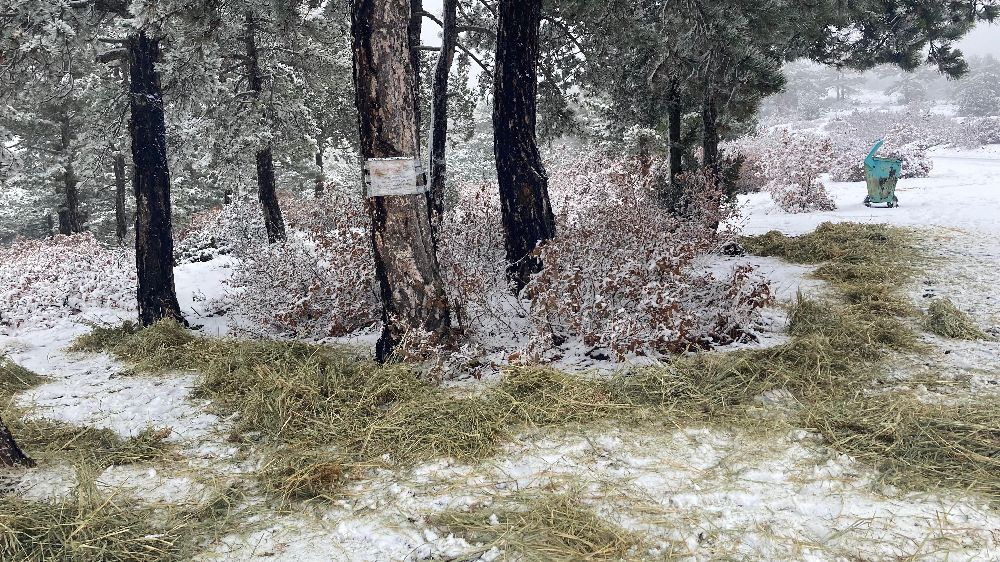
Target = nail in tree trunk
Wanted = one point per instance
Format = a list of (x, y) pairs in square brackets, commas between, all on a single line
[(266, 190), (524, 196), (439, 109), (406, 267), (154, 246), (10, 453), (121, 215)]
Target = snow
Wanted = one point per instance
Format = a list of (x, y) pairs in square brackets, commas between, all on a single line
[(962, 192), (702, 493)]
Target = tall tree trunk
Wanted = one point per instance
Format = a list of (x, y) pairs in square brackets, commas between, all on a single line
[(414, 28), (439, 109), (710, 134), (320, 184), (266, 190), (411, 289), (10, 453), (154, 245), (710, 153), (69, 211), (524, 196), (121, 215), (674, 132)]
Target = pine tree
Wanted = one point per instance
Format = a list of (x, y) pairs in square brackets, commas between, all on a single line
[(412, 292), (524, 198)]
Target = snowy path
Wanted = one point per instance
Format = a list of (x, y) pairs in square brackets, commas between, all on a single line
[(702, 493)]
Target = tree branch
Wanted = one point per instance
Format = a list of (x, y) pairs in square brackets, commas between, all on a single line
[(477, 29), (118, 7), (117, 54)]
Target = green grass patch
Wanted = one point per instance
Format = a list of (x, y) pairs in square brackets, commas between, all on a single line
[(554, 527), (945, 319)]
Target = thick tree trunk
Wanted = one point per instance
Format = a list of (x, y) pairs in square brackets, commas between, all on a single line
[(10, 453), (69, 210), (524, 196), (154, 246), (439, 110), (320, 184), (121, 215), (266, 188), (411, 289)]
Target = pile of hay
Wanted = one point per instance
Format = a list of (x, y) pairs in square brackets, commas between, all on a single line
[(945, 319), (554, 527)]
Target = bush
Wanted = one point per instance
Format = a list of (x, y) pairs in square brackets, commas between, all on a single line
[(788, 164), (44, 280), (985, 130), (319, 283), (619, 278)]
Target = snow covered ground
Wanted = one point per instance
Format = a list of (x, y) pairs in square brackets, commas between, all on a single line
[(698, 493)]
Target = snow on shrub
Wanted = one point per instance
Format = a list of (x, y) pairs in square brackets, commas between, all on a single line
[(906, 139), (618, 280), (319, 283), (788, 165), (221, 230), (44, 280), (985, 130)]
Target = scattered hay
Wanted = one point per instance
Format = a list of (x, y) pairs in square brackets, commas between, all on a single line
[(103, 337), (916, 445), (839, 243), (552, 528), (90, 526), (15, 378), (945, 319), (46, 439)]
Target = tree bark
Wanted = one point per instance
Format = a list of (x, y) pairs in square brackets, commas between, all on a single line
[(69, 211), (266, 190), (10, 453), (411, 289), (154, 246), (414, 28), (674, 115), (524, 197), (710, 134), (320, 184), (121, 215), (710, 154), (439, 109)]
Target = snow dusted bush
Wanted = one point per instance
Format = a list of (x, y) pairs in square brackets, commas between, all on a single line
[(221, 230), (619, 279), (907, 138), (318, 283), (44, 280), (788, 165), (985, 130)]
